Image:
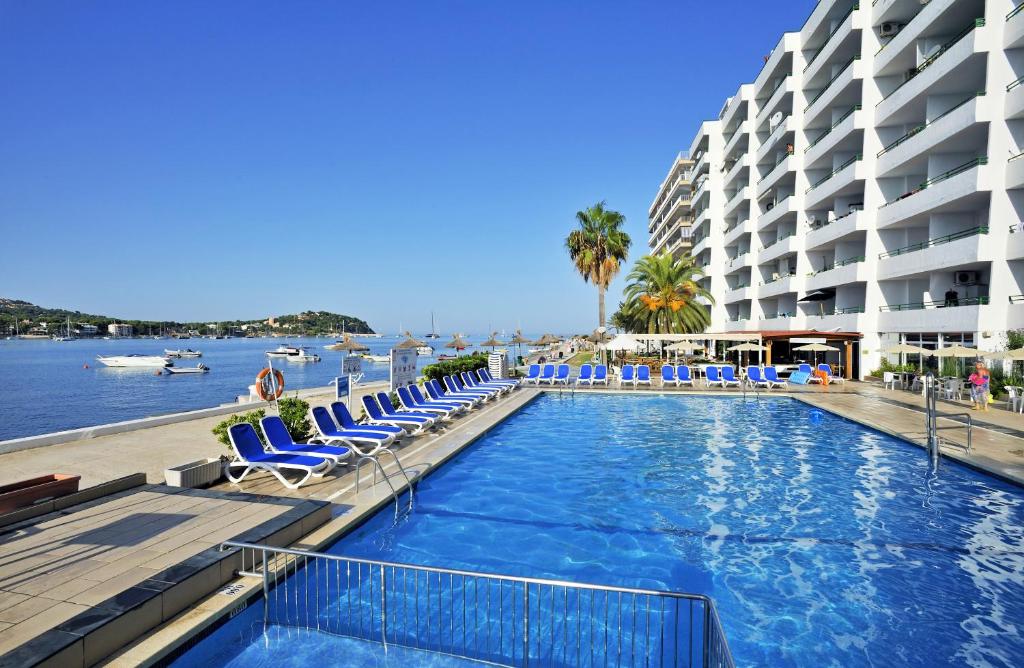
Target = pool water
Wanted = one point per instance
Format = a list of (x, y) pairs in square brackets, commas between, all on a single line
[(823, 543)]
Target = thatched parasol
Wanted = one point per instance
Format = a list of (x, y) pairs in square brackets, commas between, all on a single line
[(410, 342), (493, 341), (458, 343), (348, 345)]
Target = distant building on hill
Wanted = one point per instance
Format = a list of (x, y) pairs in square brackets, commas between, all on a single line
[(116, 329), (85, 329)]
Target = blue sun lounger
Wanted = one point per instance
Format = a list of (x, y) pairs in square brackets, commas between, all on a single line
[(562, 375), (643, 374), (485, 377), (328, 432), (453, 384), (586, 376), (828, 370), (729, 377), (411, 423), (806, 368), (532, 374), (280, 442), (344, 419), (390, 410), (628, 375), (712, 376), (438, 393), (409, 403), (683, 376), (755, 379), (547, 374), (600, 375), (249, 454), (668, 375), (771, 375), (472, 382)]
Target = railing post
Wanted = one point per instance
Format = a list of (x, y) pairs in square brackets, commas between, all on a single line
[(266, 587), (707, 633), (383, 608), (526, 623)]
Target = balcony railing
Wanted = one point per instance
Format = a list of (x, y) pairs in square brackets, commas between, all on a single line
[(771, 95), (829, 83), (840, 263), (848, 310), (1016, 10), (776, 279), (930, 60), (1017, 299), (914, 131), (828, 38), (937, 241), (778, 315), (777, 239), (778, 162), (834, 125), (1016, 82), (835, 171), (820, 225), (959, 169), (953, 303)]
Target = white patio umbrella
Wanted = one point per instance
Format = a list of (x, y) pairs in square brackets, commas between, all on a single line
[(816, 348), (623, 342), (747, 348), (958, 352), (904, 349), (685, 347)]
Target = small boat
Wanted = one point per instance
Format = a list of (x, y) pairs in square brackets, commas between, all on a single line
[(425, 350), (199, 368), (149, 361), (444, 357), (187, 352), (303, 356), (284, 351), (380, 359)]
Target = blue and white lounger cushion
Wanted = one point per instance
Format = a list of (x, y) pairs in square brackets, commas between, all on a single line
[(411, 423), (280, 441), (643, 374), (683, 376), (729, 377), (329, 434), (250, 456), (600, 375), (547, 374), (713, 376), (532, 374), (586, 376), (668, 376), (772, 376), (561, 375), (628, 375), (345, 421)]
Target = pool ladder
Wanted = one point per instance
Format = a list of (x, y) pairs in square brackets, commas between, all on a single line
[(931, 418), (375, 464)]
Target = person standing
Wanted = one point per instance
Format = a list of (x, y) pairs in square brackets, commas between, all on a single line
[(979, 386)]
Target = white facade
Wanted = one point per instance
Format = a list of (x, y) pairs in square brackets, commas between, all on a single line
[(115, 329), (669, 219), (872, 161)]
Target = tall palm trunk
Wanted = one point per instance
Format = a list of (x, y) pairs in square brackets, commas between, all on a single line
[(600, 305)]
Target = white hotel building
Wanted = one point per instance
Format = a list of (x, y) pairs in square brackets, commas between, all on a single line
[(872, 165)]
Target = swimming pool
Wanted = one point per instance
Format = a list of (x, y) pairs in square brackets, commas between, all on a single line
[(822, 542)]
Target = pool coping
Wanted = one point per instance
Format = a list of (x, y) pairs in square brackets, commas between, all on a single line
[(180, 633)]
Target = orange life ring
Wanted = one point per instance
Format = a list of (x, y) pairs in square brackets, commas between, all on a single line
[(267, 388)]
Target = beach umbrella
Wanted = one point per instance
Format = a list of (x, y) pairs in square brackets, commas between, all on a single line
[(686, 347), (957, 352), (410, 342), (904, 349), (747, 348), (816, 348), (599, 336), (492, 342), (348, 345), (458, 343), (518, 340)]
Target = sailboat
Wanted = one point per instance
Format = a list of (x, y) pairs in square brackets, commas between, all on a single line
[(67, 336), (433, 328)]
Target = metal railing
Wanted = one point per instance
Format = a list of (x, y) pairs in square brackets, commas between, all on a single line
[(840, 263), (914, 131), (855, 108), (828, 38), (932, 387), (831, 81), (1017, 299), (498, 619), (917, 306), (959, 169), (835, 171), (937, 241), (1016, 10), (927, 62)]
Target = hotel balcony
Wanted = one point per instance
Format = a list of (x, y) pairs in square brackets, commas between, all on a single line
[(731, 144), (958, 63), (850, 319), (949, 252), (701, 218), (740, 167), (737, 107), (700, 244), (1014, 106), (742, 261), (732, 206), (823, 14), (779, 321), (785, 166), (1015, 242), (738, 294), (787, 245), (843, 272), (781, 286), (774, 140), (736, 231), (933, 20), (956, 130), (847, 178), (969, 316), (1013, 32), (774, 102), (838, 136), (828, 232), (778, 65), (962, 188), (1015, 172), (785, 207), (838, 91), (837, 46)]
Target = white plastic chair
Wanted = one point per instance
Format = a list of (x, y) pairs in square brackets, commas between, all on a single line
[(1014, 402), (953, 389), (889, 380)]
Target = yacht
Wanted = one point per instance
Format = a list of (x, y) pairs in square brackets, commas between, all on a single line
[(304, 356), (187, 352), (284, 351), (199, 368), (151, 361), (426, 351), (433, 329), (376, 358)]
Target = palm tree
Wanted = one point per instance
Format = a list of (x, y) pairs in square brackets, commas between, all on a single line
[(598, 249), (661, 297)]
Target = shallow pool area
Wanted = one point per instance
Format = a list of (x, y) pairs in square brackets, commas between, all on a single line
[(822, 542)]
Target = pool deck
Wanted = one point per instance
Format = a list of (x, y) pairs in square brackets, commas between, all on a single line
[(68, 577)]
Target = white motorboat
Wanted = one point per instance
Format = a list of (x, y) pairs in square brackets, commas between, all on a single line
[(303, 356), (150, 361), (425, 350), (186, 353), (377, 358), (284, 351), (199, 368)]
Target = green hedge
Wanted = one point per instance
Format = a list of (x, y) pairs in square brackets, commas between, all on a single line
[(293, 411), (447, 367)]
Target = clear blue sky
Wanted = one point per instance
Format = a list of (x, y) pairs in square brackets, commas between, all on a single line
[(201, 160)]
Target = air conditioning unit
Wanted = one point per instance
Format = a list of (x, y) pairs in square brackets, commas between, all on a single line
[(890, 29), (966, 278), (774, 121)]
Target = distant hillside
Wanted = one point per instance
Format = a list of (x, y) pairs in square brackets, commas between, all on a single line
[(32, 317)]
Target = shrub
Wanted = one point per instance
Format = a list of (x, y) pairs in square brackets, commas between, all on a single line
[(252, 417), (444, 368), (889, 366), (295, 415)]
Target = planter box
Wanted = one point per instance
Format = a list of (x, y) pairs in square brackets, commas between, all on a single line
[(30, 492), (194, 474)]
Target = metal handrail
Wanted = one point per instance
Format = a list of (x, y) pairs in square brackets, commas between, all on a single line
[(914, 131), (918, 306), (835, 171), (937, 241), (828, 38), (835, 124), (848, 310), (840, 263), (977, 23), (832, 81), (1017, 299), (959, 169), (499, 619), (1016, 10), (770, 96)]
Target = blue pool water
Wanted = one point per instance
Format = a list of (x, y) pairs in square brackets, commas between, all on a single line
[(823, 543)]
